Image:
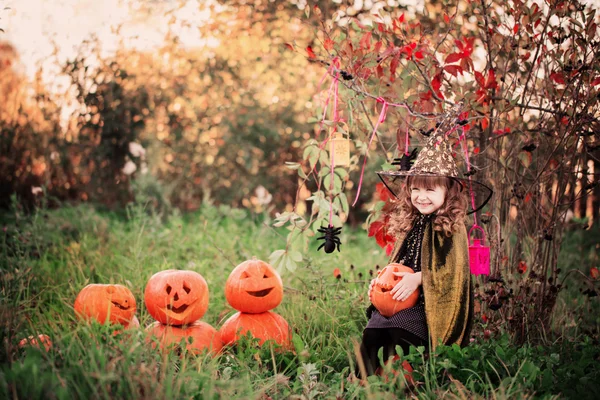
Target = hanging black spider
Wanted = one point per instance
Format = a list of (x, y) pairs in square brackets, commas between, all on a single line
[(330, 238), (406, 161)]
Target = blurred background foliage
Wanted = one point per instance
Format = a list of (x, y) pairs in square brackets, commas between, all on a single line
[(177, 125)]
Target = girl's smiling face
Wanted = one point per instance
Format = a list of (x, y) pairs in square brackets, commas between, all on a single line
[(427, 200)]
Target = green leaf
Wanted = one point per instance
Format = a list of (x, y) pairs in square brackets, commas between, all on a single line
[(344, 202), (298, 343), (290, 264), (276, 257), (341, 172), (296, 256)]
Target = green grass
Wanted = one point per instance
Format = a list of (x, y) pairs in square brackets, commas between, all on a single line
[(47, 258)]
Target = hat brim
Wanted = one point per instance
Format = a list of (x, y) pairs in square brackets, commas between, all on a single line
[(394, 180)]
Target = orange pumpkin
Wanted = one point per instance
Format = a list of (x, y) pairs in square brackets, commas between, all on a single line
[(114, 303), (264, 326), (381, 296), (133, 324), (254, 287), (204, 336), (175, 297), (36, 342)]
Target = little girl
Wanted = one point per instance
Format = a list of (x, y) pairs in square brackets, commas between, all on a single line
[(431, 238)]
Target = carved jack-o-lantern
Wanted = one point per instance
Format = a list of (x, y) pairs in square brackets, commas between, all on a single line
[(203, 337), (176, 297), (254, 287), (264, 326), (381, 291), (114, 303)]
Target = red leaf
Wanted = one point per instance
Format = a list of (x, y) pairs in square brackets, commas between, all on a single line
[(328, 44), (453, 69), (418, 55), (522, 267), (311, 53), (476, 149), (516, 29), (594, 273), (377, 46), (389, 248), (479, 78), (378, 229), (365, 41), (596, 81), (452, 58), (491, 80), (446, 18), (485, 123), (382, 192), (401, 18), (564, 120), (289, 46), (379, 71), (394, 64), (557, 77)]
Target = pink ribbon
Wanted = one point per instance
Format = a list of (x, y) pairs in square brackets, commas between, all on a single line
[(381, 118)]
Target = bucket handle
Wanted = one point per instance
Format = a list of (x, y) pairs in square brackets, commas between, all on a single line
[(475, 226)]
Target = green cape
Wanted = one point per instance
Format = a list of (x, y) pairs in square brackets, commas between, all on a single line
[(447, 285)]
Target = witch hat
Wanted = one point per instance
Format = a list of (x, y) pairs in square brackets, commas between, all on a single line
[(435, 159)]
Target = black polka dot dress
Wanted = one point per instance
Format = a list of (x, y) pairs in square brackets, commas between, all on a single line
[(411, 319)]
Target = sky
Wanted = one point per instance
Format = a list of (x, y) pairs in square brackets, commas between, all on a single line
[(32, 26)]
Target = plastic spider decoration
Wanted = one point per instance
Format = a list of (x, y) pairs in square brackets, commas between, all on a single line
[(330, 238), (406, 161)]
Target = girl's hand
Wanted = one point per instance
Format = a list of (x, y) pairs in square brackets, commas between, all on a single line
[(407, 286), (371, 288)]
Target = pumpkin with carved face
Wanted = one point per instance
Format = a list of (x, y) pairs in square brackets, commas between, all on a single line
[(264, 326), (176, 297), (113, 303), (254, 287), (381, 296), (196, 337)]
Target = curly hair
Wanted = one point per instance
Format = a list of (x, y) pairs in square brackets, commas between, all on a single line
[(448, 218)]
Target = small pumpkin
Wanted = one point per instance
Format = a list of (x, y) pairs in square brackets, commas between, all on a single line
[(204, 337), (254, 287), (176, 297), (34, 341), (381, 296), (114, 303), (264, 326)]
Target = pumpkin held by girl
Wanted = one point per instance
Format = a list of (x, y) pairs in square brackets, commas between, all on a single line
[(381, 291), (176, 297), (112, 303)]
